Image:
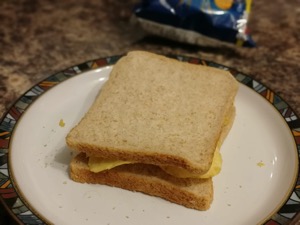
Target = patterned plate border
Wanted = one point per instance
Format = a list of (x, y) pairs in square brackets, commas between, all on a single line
[(21, 212)]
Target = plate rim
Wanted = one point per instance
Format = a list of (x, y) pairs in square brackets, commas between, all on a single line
[(10, 192)]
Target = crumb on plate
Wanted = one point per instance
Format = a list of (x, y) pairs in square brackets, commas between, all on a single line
[(62, 123), (260, 164)]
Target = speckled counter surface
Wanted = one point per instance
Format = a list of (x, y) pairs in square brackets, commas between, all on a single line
[(39, 38)]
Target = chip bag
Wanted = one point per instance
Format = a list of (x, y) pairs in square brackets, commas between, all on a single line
[(202, 22)]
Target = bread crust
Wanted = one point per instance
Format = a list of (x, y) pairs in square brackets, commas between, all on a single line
[(148, 179)]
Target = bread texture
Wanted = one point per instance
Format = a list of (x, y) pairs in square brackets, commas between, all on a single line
[(149, 179), (157, 110)]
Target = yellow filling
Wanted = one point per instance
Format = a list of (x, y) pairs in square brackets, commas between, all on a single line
[(97, 165), (214, 169)]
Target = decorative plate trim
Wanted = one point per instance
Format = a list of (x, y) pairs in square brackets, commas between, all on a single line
[(21, 212)]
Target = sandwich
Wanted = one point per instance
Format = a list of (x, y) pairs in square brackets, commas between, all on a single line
[(156, 127)]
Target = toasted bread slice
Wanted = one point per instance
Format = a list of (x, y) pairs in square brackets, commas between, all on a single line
[(157, 110), (149, 179)]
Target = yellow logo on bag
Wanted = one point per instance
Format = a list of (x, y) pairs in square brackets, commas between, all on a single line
[(224, 4)]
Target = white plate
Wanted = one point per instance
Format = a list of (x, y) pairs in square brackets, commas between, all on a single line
[(258, 176)]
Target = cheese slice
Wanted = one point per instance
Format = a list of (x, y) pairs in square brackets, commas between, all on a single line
[(97, 165), (214, 169)]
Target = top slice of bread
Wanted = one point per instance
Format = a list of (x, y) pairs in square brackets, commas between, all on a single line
[(157, 110)]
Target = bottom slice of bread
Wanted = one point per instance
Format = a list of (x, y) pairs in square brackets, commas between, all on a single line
[(148, 179)]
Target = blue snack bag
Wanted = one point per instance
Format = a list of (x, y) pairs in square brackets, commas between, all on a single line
[(203, 22)]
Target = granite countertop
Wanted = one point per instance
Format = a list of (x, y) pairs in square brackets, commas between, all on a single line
[(39, 38)]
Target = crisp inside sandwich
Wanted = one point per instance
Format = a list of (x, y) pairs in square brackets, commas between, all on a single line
[(157, 127)]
